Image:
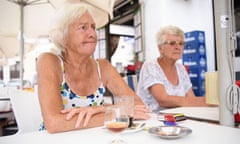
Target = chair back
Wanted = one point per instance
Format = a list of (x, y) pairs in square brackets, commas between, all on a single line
[(26, 109), (5, 105), (4, 92)]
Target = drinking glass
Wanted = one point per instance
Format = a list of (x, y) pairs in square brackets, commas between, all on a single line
[(116, 120), (128, 102)]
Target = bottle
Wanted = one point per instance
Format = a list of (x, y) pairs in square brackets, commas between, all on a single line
[(202, 62), (201, 49), (201, 37)]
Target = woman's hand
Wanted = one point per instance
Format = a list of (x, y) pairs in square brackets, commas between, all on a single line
[(141, 112), (84, 114)]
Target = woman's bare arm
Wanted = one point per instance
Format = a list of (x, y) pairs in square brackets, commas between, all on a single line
[(159, 93), (118, 87), (49, 79)]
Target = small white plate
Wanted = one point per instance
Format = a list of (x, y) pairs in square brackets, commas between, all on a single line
[(139, 126), (170, 132)]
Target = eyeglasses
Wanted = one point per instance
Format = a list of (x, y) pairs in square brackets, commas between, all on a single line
[(174, 43)]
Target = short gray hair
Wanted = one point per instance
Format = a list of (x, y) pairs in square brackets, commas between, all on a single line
[(172, 30), (59, 26)]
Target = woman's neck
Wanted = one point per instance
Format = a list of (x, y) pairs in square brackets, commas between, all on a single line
[(166, 63), (77, 62), (169, 70)]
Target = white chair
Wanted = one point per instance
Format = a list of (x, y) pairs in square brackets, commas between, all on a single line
[(26, 109), (4, 100), (4, 92), (5, 104)]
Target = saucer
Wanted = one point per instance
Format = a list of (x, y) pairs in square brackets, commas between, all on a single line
[(170, 132)]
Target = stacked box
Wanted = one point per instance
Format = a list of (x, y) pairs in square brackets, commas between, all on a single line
[(194, 54), (197, 77), (194, 57)]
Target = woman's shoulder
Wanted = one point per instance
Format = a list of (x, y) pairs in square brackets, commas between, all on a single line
[(180, 66), (47, 55), (150, 64), (103, 62), (181, 69), (106, 67), (48, 58)]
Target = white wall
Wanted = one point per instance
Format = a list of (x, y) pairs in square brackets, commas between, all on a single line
[(187, 14)]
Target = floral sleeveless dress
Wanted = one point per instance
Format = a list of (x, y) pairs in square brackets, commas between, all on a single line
[(70, 99)]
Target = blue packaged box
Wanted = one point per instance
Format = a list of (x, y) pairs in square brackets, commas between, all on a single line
[(194, 53), (196, 73), (197, 35), (195, 48), (195, 60), (198, 87), (197, 77)]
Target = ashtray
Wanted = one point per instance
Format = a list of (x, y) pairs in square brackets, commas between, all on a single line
[(170, 132)]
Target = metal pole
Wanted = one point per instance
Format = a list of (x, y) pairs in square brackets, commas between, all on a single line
[(22, 4), (223, 26), (21, 50)]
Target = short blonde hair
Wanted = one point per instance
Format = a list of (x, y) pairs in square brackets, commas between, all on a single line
[(171, 30), (59, 26)]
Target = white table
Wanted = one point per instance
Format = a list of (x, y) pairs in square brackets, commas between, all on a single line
[(202, 133)]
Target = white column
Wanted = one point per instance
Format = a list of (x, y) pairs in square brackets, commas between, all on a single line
[(223, 27)]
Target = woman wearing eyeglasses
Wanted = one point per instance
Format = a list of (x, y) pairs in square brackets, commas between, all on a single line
[(164, 82)]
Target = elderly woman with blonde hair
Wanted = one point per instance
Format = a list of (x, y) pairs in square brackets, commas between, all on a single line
[(164, 82), (71, 85)]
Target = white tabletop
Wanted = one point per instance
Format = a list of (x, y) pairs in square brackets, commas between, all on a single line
[(202, 133)]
